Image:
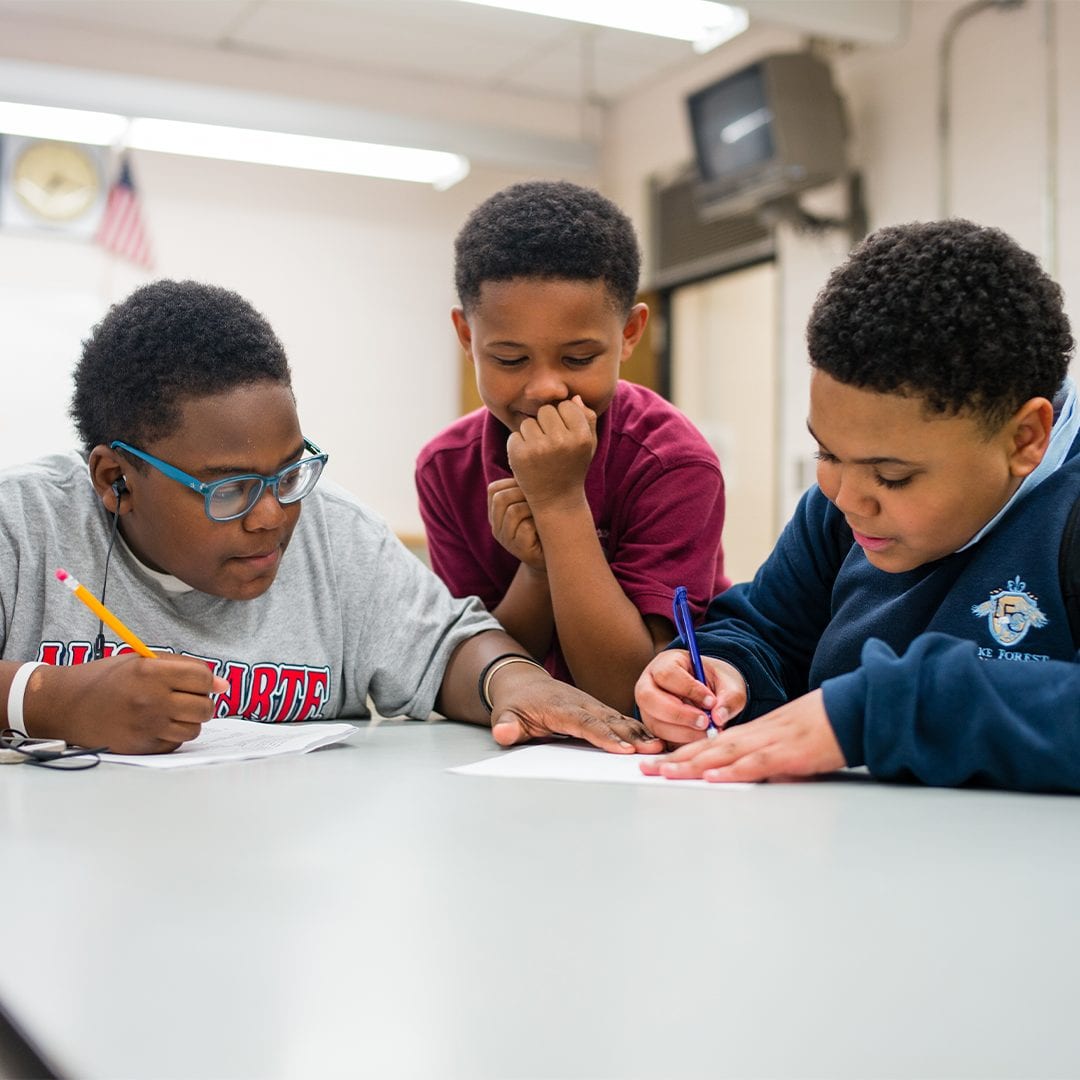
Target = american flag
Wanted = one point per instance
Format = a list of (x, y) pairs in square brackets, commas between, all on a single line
[(122, 231)]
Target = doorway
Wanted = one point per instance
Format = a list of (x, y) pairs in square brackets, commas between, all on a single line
[(724, 377)]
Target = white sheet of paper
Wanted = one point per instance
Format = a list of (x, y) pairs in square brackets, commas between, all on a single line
[(229, 738), (558, 762)]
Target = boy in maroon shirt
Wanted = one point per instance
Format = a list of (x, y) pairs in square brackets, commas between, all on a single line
[(573, 504)]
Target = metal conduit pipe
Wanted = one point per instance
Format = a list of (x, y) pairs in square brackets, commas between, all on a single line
[(944, 88)]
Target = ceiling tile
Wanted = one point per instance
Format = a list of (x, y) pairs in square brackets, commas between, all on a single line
[(596, 63), (429, 39), (177, 20)]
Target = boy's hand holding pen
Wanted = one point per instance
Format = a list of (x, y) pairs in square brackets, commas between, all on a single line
[(683, 696), (684, 624)]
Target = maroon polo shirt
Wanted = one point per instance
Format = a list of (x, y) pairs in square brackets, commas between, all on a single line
[(654, 487)]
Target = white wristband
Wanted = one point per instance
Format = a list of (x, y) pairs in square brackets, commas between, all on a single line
[(16, 693)]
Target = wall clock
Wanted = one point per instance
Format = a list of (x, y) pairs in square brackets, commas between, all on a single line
[(53, 186)]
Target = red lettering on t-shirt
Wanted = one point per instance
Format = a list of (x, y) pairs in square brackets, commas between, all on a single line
[(292, 679), (81, 652), (263, 692), (230, 702), (316, 694), (264, 682)]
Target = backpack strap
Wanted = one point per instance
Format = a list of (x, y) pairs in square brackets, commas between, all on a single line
[(1069, 570)]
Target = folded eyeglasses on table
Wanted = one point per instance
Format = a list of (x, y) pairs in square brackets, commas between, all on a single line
[(17, 748)]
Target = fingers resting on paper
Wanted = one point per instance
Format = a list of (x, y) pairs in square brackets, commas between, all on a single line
[(793, 741)]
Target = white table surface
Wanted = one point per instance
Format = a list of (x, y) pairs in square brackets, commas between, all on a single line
[(359, 911)]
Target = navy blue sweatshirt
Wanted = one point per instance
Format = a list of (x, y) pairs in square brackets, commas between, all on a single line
[(960, 671)]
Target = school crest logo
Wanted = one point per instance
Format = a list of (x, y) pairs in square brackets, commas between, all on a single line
[(1011, 612)]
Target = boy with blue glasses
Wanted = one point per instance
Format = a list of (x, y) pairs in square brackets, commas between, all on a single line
[(265, 591), (236, 495)]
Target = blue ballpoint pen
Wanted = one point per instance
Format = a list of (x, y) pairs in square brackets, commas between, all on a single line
[(684, 624)]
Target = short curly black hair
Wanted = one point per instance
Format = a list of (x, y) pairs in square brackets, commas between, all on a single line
[(950, 311), (166, 343), (547, 229)]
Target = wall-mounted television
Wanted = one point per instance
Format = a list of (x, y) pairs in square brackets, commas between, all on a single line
[(770, 130)]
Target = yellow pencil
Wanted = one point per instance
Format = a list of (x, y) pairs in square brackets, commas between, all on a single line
[(104, 614)]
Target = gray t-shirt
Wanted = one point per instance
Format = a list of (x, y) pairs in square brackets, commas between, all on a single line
[(352, 614)]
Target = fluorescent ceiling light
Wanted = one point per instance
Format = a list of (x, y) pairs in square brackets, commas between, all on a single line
[(298, 151), (67, 125), (703, 22), (436, 167)]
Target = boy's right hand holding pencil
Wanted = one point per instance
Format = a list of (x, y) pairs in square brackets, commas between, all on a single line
[(126, 702), (137, 702)]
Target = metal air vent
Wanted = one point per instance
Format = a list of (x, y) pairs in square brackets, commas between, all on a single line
[(687, 247)]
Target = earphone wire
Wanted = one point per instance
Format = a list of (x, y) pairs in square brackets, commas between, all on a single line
[(99, 641)]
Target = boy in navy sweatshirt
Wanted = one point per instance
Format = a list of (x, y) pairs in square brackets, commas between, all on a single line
[(911, 617)]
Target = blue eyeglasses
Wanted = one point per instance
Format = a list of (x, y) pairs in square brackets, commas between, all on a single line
[(235, 496)]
